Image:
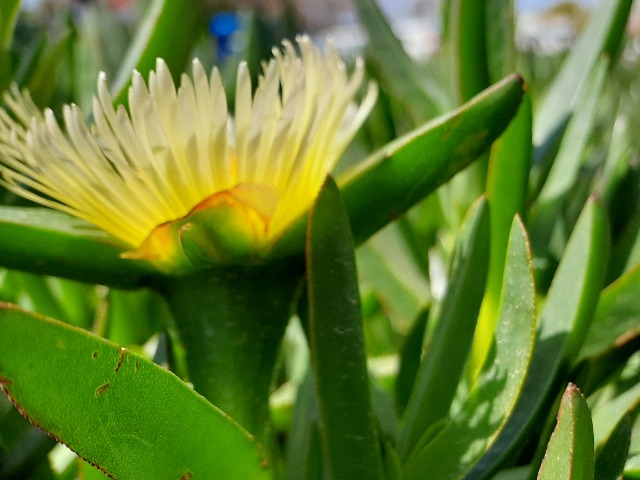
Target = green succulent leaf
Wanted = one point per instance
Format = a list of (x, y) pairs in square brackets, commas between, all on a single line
[(500, 37), (485, 49), (129, 417), (410, 356), (405, 171), (397, 72), (72, 302), (566, 166), (169, 31), (570, 453), (469, 29), (304, 449), (507, 186), (509, 166), (612, 454), (54, 58), (337, 344), (435, 384), (608, 413), (602, 36), (563, 323), (400, 285), (469, 432), (9, 10), (145, 306), (409, 168), (625, 253), (46, 242), (615, 184), (616, 320)]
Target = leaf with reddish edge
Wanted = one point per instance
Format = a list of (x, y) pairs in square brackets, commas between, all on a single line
[(570, 454), (126, 415)]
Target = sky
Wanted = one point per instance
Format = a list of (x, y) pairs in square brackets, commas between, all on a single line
[(532, 5)]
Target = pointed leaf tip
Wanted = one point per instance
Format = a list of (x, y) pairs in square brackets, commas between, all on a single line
[(570, 452)]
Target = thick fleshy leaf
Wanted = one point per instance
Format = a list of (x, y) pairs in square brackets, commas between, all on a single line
[(484, 43), (602, 36), (31, 292), (566, 166), (509, 166), (608, 413), (46, 242), (563, 323), (86, 471), (410, 359), (395, 69), (168, 31), (146, 307), (8, 17), (337, 344), (574, 292), (469, 22), (54, 57), (483, 414), (615, 184), (612, 454), (617, 319), (442, 366), (570, 454), (117, 409), (100, 42), (304, 450), (625, 253), (400, 285), (409, 168), (507, 187), (500, 38), (399, 175)]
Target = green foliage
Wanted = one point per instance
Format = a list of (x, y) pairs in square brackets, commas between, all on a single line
[(570, 451), (443, 317), (337, 344), (48, 366)]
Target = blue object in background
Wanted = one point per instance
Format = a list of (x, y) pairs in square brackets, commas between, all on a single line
[(222, 27)]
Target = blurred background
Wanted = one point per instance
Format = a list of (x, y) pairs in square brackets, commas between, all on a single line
[(545, 26), (95, 35)]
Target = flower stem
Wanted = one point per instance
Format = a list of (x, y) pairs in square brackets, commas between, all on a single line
[(231, 322)]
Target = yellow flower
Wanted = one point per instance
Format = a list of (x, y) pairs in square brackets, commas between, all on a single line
[(176, 171)]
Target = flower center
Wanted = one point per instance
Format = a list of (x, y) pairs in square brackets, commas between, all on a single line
[(226, 227)]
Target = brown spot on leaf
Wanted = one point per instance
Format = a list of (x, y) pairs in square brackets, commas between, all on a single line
[(100, 390), (95, 354), (187, 476), (121, 355), (137, 365)]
